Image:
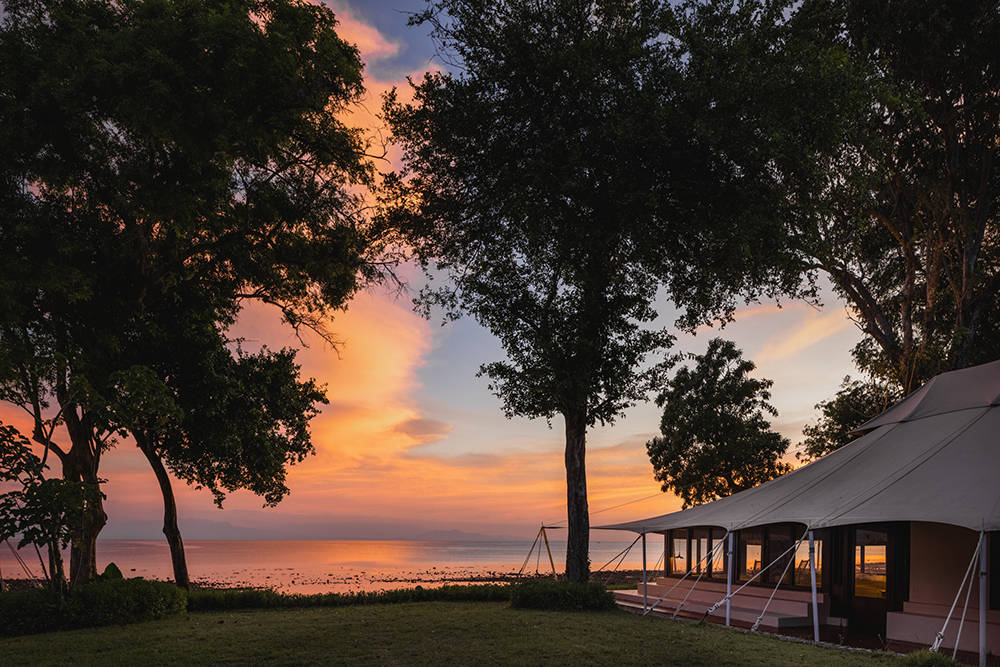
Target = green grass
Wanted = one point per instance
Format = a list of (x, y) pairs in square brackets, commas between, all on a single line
[(426, 633)]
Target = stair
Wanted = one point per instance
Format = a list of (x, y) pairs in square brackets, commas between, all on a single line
[(788, 609)]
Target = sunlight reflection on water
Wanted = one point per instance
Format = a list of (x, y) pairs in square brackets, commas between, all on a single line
[(313, 566)]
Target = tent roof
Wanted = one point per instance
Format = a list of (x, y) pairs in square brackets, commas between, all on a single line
[(936, 461), (975, 387)]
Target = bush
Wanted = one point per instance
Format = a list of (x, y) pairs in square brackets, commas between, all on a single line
[(121, 601), (562, 596), (28, 611), (113, 602), (216, 600), (111, 572)]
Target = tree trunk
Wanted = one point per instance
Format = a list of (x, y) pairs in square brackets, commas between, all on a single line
[(578, 540), (83, 555), (170, 529), (57, 577), (80, 466)]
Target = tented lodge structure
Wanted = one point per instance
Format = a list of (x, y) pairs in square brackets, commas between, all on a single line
[(904, 523)]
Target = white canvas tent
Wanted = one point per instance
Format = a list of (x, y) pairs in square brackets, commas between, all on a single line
[(933, 457)]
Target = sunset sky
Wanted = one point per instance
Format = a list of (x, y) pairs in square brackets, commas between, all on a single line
[(413, 441)]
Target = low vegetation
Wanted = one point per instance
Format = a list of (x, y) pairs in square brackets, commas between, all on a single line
[(533, 621), (231, 599), (123, 601), (110, 602), (422, 634), (561, 596)]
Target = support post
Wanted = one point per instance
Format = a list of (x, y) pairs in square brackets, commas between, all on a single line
[(645, 588), (983, 597), (812, 583), (552, 562), (527, 558), (729, 576)]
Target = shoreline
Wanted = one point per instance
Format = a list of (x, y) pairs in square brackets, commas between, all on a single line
[(613, 579)]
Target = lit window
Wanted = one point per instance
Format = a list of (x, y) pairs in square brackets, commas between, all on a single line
[(679, 552), (718, 554), (751, 554), (869, 563), (699, 550), (802, 577)]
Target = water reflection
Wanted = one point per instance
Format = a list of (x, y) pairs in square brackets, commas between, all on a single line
[(308, 566), (802, 575)]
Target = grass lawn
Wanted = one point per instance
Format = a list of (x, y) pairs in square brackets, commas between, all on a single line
[(425, 633)]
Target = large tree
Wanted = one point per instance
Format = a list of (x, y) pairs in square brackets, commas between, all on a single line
[(166, 161), (715, 438), (218, 421), (557, 177), (880, 123)]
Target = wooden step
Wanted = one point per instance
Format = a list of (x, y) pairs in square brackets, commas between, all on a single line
[(779, 604), (752, 590), (632, 601)]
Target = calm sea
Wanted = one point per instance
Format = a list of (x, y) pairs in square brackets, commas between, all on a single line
[(311, 566)]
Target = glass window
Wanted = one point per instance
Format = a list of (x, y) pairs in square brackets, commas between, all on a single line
[(679, 552), (869, 562), (718, 565), (699, 549), (779, 540), (751, 553), (802, 577)]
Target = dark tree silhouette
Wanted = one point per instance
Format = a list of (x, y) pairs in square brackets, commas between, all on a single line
[(35, 510), (855, 402), (715, 436), (166, 162), (881, 124), (557, 178)]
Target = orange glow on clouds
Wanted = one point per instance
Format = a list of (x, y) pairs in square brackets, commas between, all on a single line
[(814, 327), (372, 44), (375, 460), (370, 457)]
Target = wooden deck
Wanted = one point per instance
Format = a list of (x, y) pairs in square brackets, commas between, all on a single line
[(788, 609)]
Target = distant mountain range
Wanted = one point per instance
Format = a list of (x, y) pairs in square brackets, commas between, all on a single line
[(206, 529), (459, 536)]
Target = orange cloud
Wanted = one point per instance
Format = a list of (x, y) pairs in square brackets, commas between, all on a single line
[(814, 327), (372, 44), (424, 430)]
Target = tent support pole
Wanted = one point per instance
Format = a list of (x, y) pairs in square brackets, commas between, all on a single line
[(645, 588), (812, 582), (965, 608), (967, 579), (983, 596), (729, 577), (552, 562)]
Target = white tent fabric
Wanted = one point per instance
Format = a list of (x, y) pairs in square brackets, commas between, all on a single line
[(935, 456), (976, 387)]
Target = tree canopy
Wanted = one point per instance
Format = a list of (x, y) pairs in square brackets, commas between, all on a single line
[(879, 125), (923, 274), (558, 176), (715, 438), (855, 402), (167, 161)]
